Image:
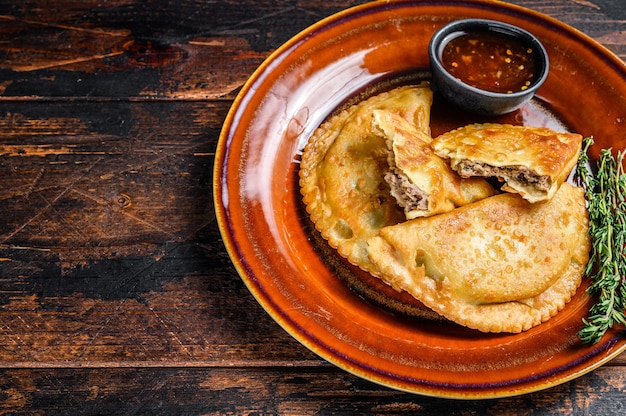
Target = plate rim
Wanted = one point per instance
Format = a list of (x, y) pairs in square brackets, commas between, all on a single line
[(245, 269)]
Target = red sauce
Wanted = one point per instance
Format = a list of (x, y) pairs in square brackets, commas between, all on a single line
[(490, 61)]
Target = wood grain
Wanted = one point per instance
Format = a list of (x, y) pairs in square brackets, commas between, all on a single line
[(116, 293), (218, 391)]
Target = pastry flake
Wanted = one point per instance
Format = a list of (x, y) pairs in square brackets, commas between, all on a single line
[(531, 161)]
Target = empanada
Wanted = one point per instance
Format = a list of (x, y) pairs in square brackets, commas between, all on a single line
[(342, 170), (421, 182), (498, 265), (532, 161)]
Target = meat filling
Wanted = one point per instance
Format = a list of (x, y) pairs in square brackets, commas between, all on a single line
[(520, 174), (408, 196)]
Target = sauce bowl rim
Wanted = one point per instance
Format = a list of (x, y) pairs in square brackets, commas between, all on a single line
[(444, 35)]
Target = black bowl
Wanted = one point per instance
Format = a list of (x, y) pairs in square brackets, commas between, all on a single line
[(493, 99)]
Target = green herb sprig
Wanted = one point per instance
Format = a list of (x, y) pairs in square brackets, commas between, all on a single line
[(605, 193)]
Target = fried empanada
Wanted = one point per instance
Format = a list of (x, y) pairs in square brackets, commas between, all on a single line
[(421, 182), (501, 264), (343, 166), (532, 161)]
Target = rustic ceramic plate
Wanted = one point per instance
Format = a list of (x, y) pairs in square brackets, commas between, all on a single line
[(326, 304)]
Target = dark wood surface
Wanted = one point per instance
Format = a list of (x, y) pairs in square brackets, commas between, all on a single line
[(116, 293)]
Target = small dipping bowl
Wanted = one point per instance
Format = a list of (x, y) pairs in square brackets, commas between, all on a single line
[(487, 67)]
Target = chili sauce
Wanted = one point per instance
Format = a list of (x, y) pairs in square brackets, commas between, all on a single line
[(490, 61)]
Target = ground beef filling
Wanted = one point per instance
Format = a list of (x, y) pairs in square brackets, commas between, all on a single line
[(520, 174), (408, 196)]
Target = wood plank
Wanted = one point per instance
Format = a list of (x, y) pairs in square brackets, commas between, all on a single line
[(85, 179), (181, 51), (108, 240), (174, 50), (292, 391)]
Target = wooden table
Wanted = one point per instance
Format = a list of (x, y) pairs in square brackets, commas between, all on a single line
[(116, 293)]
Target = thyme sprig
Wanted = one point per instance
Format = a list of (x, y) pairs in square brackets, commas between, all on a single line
[(605, 193)]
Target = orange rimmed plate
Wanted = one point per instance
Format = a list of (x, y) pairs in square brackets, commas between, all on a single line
[(333, 308)]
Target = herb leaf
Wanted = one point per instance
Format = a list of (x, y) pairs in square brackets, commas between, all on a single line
[(605, 193)]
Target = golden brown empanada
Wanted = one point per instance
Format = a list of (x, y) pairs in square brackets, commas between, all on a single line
[(421, 182), (498, 265), (342, 170), (532, 161)]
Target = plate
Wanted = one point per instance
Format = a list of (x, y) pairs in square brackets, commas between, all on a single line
[(338, 312)]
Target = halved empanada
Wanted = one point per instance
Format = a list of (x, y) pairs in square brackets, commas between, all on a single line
[(342, 170), (421, 182), (498, 265), (532, 161)]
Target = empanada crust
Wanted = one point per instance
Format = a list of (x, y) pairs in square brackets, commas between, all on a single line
[(539, 151), (411, 156), (342, 170), (498, 265)]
